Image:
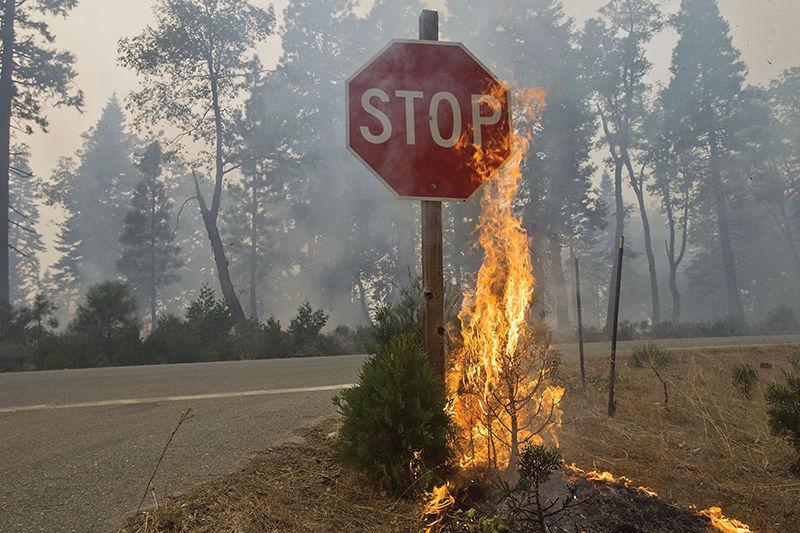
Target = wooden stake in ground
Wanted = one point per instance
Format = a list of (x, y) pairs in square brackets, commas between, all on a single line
[(580, 317), (432, 270), (612, 404)]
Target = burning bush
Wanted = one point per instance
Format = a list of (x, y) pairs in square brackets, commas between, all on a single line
[(497, 382), (508, 407), (395, 426)]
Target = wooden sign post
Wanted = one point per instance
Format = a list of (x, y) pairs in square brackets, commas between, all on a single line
[(432, 252), (417, 115)]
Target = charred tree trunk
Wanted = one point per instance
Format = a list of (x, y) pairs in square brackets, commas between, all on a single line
[(6, 100), (559, 287), (734, 298)]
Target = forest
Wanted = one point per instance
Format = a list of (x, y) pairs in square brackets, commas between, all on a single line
[(215, 213)]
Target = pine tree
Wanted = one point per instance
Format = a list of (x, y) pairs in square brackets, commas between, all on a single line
[(195, 63), (91, 192), (32, 73), (149, 258), (24, 240), (702, 101)]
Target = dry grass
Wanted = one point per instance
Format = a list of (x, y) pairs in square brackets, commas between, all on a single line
[(295, 487), (712, 447)]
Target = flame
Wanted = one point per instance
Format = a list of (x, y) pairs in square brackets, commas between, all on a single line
[(718, 520), (608, 477), (721, 523), (497, 380), (437, 502)]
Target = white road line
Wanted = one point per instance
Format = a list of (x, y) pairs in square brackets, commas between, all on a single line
[(160, 399)]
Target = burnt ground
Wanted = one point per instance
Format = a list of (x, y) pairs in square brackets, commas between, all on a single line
[(594, 507), (615, 508)]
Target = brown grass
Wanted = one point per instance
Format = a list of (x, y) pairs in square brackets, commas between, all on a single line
[(713, 446), (295, 487)]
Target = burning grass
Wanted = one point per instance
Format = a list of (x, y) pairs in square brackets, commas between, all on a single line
[(713, 447)]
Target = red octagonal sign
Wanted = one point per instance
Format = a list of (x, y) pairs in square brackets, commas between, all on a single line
[(428, 119)]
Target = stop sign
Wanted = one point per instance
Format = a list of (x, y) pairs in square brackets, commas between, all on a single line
[(428, 119)]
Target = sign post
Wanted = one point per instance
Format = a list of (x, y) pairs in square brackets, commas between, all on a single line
[(432, 249), (432, 123)]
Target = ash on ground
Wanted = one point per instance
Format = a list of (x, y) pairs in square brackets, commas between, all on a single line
[(596, 507)]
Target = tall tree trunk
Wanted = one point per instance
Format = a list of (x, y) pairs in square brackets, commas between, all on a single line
[(153, 298), (210, 215), (152, 273), (6, 99), (362, 297), (220, 261), (539, 270), (637, 184), (675, 255), (253, 249), (559, 286), (618, 231), (734, 299), (788, 235)]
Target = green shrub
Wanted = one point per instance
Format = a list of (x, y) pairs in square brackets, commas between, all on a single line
[(106, 325), (395, 428), (400, 318), (783, 409), (524, 503), (173, 342), (745, 378), (210, 322), (305, 331)]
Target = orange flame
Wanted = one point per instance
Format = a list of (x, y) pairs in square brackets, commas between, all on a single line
[(497, 380), (718, 520), (721, 523), (437, 502), (608, 477)]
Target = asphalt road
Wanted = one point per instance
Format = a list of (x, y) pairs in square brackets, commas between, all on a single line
[(78, 446)]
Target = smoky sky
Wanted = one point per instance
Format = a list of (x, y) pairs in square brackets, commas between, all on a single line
[(765, 31)]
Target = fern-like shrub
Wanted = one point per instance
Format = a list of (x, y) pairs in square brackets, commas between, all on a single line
[(395, 427), (783, 409)]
